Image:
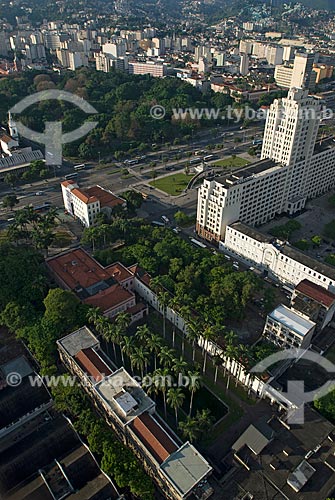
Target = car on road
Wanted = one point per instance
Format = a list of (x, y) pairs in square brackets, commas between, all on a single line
[(165, 219), (39, 193), (176, 230)]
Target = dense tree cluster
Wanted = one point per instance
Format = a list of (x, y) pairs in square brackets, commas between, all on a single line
[(196, 278), (123, 103)]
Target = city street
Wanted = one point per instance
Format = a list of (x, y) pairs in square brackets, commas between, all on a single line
[(139, 177)]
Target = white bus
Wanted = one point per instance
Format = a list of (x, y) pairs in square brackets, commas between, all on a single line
[(82, 166), (71, 176), (208, 157), (198, 243)]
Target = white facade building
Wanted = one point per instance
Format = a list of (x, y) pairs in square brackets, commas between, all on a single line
[(148, 68), (286, 328), (244, 64), (279, 260), (298, 74), (293, 168), (283, 75), (86, 205)]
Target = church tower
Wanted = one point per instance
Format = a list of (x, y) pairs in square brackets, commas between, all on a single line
[(12, 127)]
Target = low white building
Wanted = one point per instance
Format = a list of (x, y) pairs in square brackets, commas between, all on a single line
[(286, 328), (147, 68), (86, 204), (277, 259)]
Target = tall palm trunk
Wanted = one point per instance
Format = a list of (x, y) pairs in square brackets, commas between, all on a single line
[(164, 324), (205, 362), (164, 401), (191, 404)]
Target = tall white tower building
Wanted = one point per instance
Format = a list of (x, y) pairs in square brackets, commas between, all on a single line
[(291, 128), (293, 168)]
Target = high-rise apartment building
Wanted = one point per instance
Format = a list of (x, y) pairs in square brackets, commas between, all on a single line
[(303, 75), (299, 74), (293, 168), (244, 64)]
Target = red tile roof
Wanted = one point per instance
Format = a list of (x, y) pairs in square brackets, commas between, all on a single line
[(136, 270), (77, 267), (156, 440), (316, 292), (68, 183), (92, 364), (85, 198), (110, 298), (119, 272), (106, 198)]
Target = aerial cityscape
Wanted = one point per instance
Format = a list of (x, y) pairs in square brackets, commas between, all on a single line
[(167, 243)]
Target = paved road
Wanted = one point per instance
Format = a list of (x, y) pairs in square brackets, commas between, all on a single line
[(139, 178)]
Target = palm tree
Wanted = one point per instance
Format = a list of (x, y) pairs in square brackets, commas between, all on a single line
[(193, 386), (175, 398), (152, 388), (156, 284), (139, 359), (231, 353), (179, 365), (230, 339), (121, 323), (186, 314), (111, 335), (243, 356), (193, 334), (122, 320), (190, 429), (205, 419), (164, 298), (174, 305), (166, 356), (93, 315), (162, 381), (127, 347), (217, 361), (209, 333), (142, 333), (154, 344)]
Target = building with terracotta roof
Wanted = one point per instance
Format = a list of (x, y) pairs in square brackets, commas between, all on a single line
[(110, 288), (315, 302), (86, 204), (178, 469)]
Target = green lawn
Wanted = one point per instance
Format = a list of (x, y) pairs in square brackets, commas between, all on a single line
[(173, 184), (232, 162), (331, 355)]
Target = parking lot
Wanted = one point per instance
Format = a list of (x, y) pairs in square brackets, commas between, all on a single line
[(317, 214)]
